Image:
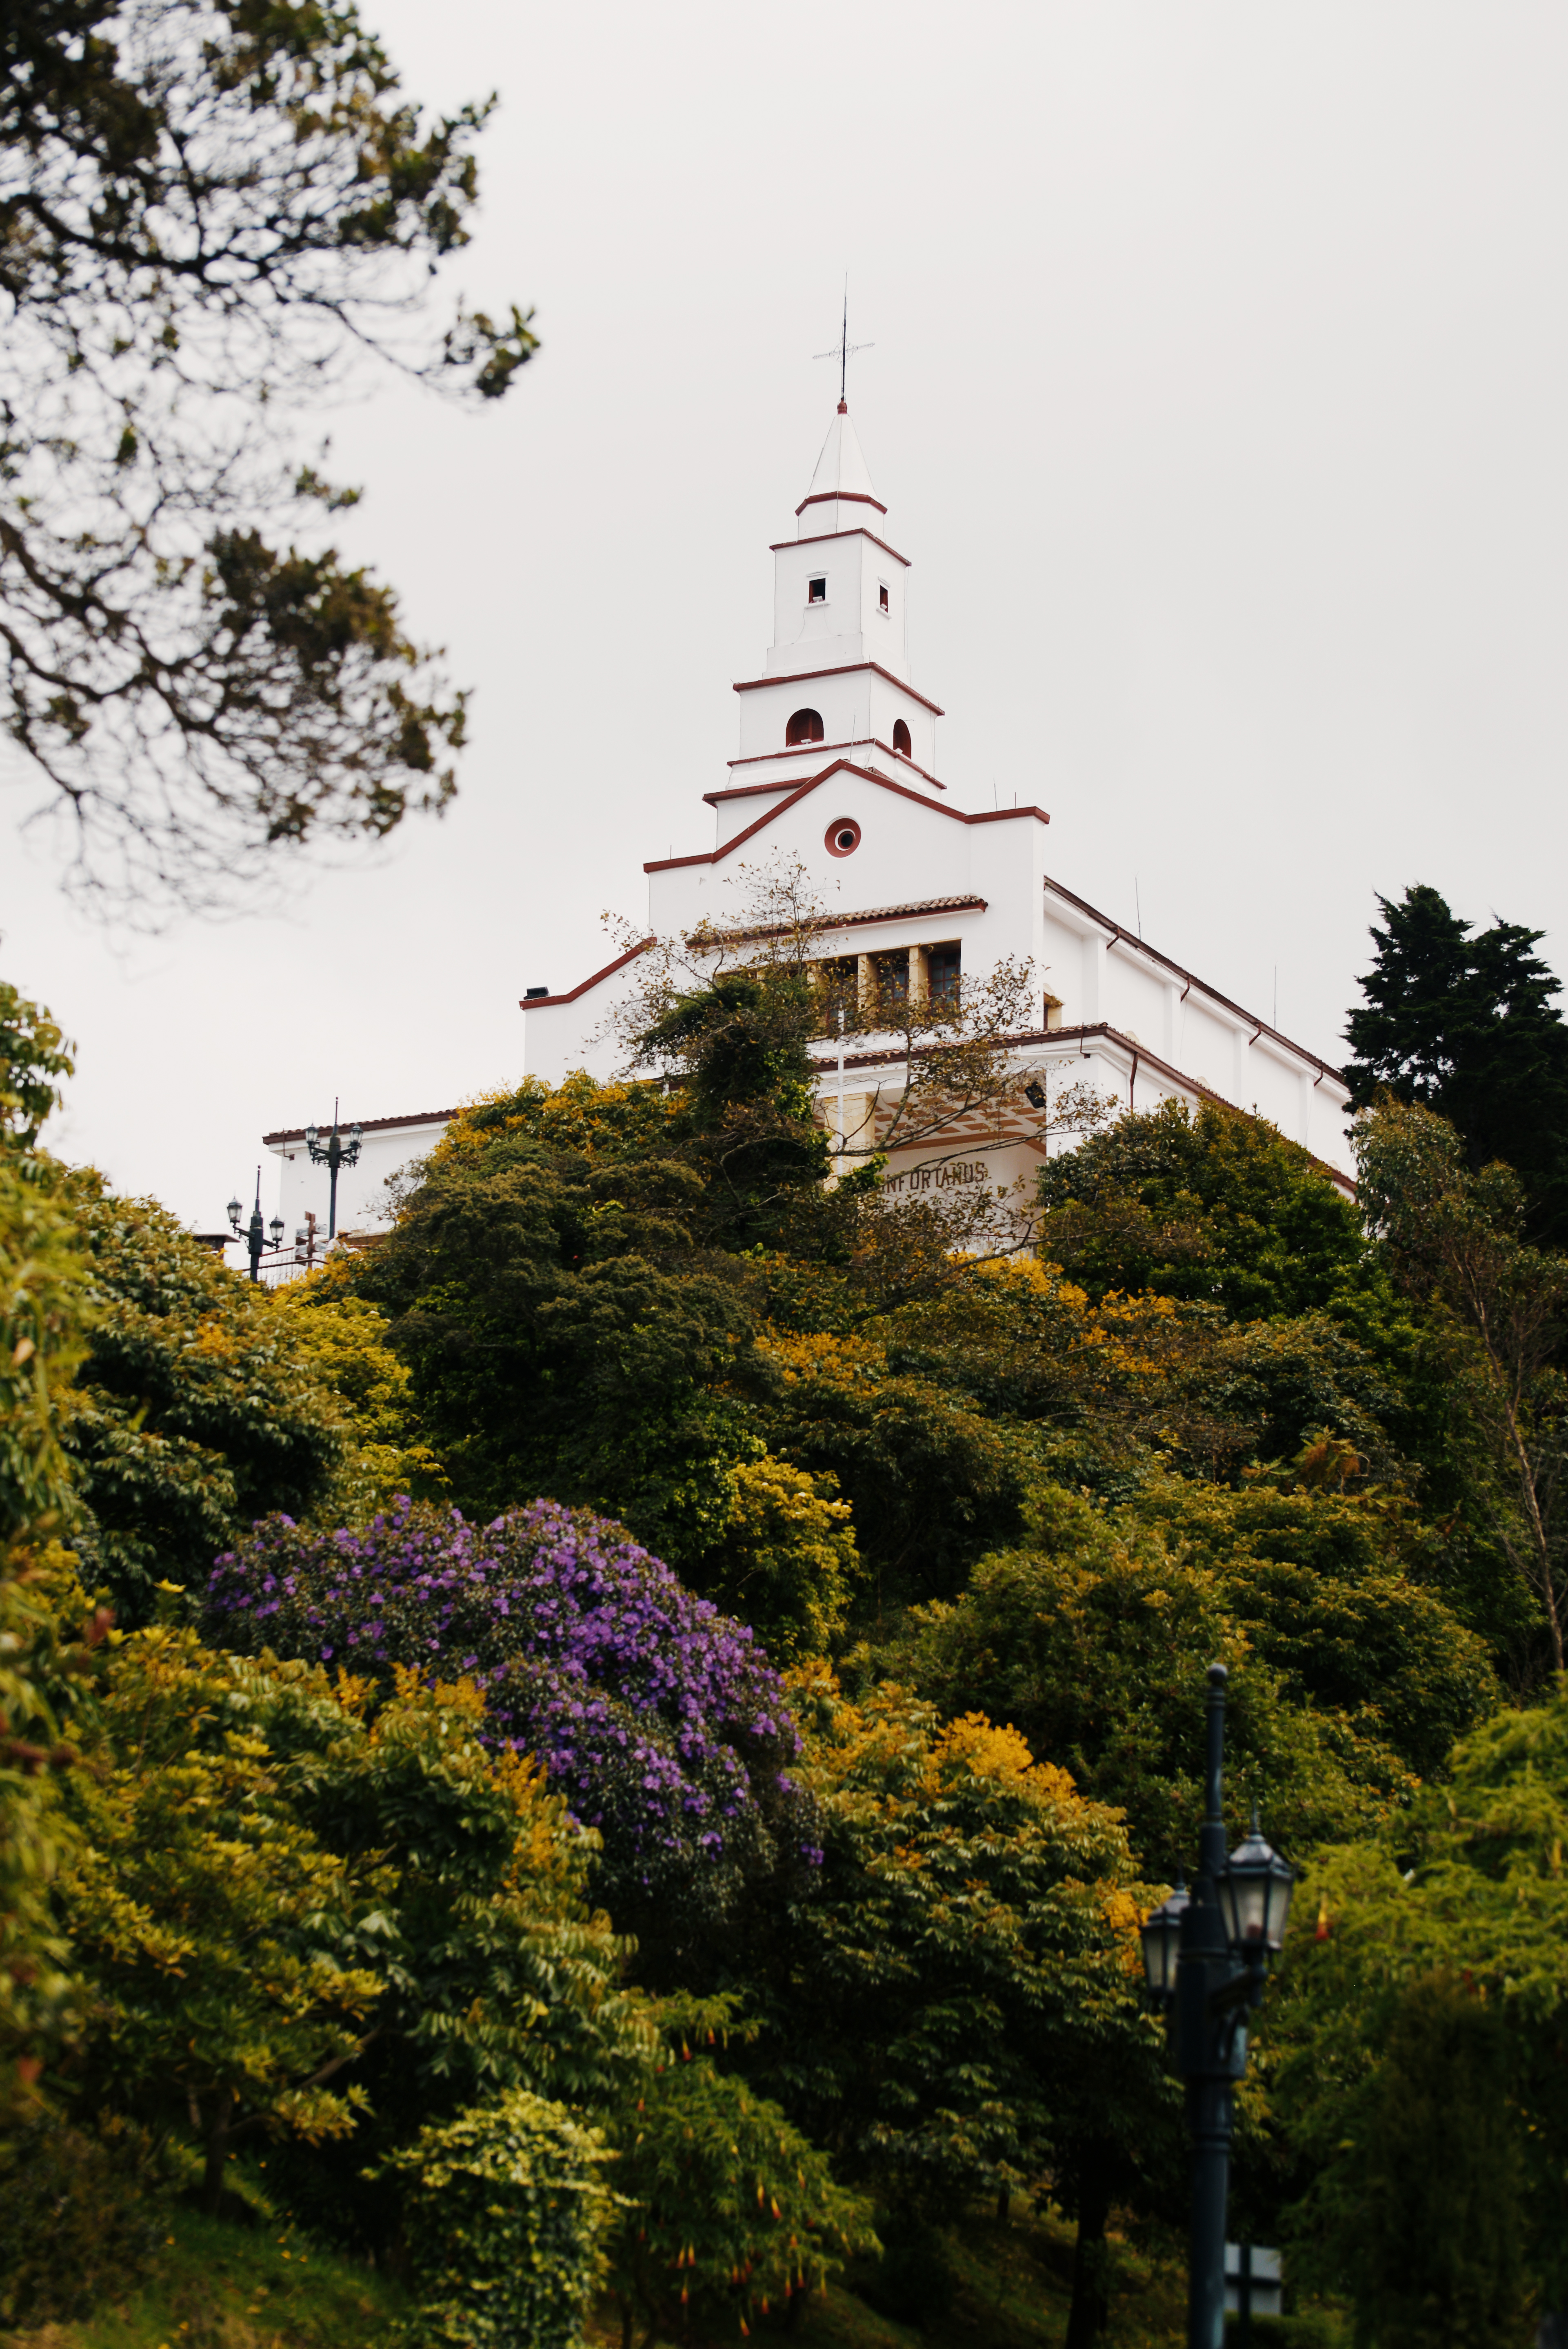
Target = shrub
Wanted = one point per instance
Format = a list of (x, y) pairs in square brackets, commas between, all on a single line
[(504, 2210), (660, 1719)]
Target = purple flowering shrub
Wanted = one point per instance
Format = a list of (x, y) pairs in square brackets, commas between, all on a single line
[(660, 1719)]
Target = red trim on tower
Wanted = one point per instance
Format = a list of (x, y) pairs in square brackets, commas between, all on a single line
[(760, 759), (844, 669), (822, 538), (812, 782), (840, 498)]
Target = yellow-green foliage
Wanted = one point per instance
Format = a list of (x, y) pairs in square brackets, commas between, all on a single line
[(789, 1558), (192, 1415), (1472, 1888), (44, 1314), (957, 2004), (341, 1339), (505, 2208), (224, 1943), (601, 1122)]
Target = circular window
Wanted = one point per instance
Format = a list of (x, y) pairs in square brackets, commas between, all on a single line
[(843, 837)]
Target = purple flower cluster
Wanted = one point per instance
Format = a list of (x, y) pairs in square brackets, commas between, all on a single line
[(660, 1719)]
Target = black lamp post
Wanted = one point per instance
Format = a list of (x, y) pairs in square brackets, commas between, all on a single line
[(252, 1233), (333, 1154), (1205, 1956)]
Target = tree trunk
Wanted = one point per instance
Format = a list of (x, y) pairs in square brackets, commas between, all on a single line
[(1003, 2204), (1089, 2315), (220, 2113)]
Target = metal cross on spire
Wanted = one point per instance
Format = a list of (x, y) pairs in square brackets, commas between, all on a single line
[(843, 350)]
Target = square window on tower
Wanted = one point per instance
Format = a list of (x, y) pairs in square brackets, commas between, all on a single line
[(816, 591), (881, 595)]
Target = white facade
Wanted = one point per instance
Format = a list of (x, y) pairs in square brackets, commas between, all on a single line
[(838, 768)]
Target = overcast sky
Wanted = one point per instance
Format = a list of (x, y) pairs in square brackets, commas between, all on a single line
[(1217, 392)]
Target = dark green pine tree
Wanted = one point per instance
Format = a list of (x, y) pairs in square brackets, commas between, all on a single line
[(1466, 1025)]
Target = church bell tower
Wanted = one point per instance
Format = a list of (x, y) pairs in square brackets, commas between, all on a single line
[(836, 681)]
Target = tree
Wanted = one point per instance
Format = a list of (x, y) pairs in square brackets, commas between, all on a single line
[(1438, 2264), (227, 1948), (1500, 1309), (727, 2207), (45, 1308), (505, 2208), (1214, 1207), (956, 2006), (565, 1332), (1464, 1025), (1439, 1971), (659, 1720), (209, 211), (1095, 1635), (325, 1912), (193, 1413)]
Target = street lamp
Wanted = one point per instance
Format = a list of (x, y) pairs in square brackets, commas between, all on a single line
[(333, 1154), (252, 1233), (1205, 1957)]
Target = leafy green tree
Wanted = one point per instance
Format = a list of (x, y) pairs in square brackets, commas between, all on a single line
[(45, 1308), (956, 2007), (209, 210), (340, 1341), (1442, 1948), (227, 1947), (1463, 1024), (505, 2208), (193, 1413), (933, 1482), (34, 1057), (565, 1335), (789, 1566), (323, 1917), (1214, 1207), (1339, 1593), (726, 2209), (1498, 1309), (1095, 1636)]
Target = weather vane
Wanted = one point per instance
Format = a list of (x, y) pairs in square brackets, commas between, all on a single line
[(843, 350)]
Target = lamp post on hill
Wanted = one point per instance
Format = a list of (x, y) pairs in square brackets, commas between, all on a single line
[(252, 1233), (333, 1154), (1205, 1957)]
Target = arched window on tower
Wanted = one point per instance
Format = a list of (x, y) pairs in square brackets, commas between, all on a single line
[(805, 726), (901, 739)]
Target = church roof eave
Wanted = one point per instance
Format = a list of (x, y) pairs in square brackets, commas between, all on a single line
[(814, 782), (843, 668)]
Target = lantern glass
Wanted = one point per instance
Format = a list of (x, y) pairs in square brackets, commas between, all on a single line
[(312, 1135), (1162, 1937), (276, 1229), (1254, 1895), (234, 1212), (355, 1133)]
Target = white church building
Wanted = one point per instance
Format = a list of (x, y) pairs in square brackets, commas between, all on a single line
[(837, 774)]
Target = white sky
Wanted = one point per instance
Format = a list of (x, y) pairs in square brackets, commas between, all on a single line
[(1217, 394)]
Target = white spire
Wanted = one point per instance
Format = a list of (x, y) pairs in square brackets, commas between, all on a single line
[(842, 480)]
